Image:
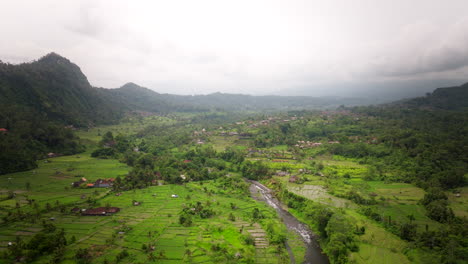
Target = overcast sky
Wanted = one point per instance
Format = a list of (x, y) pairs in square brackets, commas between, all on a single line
[(252, 46)]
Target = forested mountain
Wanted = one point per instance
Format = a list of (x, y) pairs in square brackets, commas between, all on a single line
[(42, 97), (55, 87), (132, 97), (451, 98)]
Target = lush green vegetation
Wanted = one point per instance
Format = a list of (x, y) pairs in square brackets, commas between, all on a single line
[(29, 137), (377, 184)]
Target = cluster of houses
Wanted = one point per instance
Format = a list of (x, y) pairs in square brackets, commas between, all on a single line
[(296, 178), (99, 211), (232, 133), (269, 120), (200, 133), (100, 183), (308, 144), (292, 178), (108, 210), (252, 124), (356, 139), (52, 155), (110, 144)]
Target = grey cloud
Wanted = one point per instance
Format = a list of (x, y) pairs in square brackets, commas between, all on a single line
[(257, 48), (88, 24), (440, 52), (442, 60)]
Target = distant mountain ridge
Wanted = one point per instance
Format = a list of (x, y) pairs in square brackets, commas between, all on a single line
[(55, 87)]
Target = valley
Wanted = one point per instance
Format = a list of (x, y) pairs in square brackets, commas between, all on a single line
[(128, 175), (180, 184)]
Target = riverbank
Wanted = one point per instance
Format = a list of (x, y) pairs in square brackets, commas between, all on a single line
[(313, 252)]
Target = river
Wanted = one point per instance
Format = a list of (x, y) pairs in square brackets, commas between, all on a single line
[(313, 254)]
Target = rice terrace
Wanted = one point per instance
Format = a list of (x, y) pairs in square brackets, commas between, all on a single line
[(269, 132)]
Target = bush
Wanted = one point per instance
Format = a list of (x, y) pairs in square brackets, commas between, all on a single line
[(104, 153)]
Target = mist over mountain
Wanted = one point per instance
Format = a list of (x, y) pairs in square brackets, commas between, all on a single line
[(448, 98), (215, 131), (375, 92), (55, 87)]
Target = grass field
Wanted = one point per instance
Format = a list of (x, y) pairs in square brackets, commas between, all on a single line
[(459, 204), (151, 232), (155, 222), (397, 200), (128, 127), (52, 180), (377, 245)]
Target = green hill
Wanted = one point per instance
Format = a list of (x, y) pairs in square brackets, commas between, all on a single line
[(55, 87), (450, 98), (40, 98)]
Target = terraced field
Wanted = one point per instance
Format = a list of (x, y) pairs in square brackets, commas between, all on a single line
[(148, 232)]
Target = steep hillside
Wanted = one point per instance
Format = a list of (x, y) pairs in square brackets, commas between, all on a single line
[(450, 98), (57, 88)]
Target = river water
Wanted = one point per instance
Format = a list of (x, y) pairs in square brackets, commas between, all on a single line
[(313, 254)]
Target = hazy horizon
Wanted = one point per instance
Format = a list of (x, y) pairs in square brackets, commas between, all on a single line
[(391, 49)]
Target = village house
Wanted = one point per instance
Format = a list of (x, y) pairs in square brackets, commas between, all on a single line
[(104, 183), (110, 144), (80, 182), (245, 135), (320, 174), (293, 178), (52, 155), (307, 144), (279, 160), (282, 173), (100, 211)]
